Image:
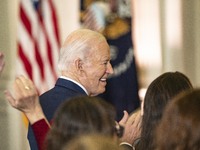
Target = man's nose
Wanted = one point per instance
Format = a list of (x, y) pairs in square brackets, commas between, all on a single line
[(110, 69)]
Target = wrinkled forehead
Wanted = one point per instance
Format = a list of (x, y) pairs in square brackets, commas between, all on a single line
[(99, 52)]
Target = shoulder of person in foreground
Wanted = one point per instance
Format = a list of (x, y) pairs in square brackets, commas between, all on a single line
[(181, 121)]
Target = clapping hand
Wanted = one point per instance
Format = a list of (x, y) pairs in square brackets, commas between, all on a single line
[(25, 99), (132, 126)]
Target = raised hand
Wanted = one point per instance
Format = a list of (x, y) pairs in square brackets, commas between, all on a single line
[(25, 99), (132, 127)]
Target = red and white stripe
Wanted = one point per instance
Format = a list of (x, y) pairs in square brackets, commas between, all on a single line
[(38, 43)]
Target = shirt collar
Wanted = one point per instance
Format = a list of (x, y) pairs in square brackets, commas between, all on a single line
[(66, 78)]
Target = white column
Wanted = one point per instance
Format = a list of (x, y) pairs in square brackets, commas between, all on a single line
[(146, 23), (172, 35), (69, 12)]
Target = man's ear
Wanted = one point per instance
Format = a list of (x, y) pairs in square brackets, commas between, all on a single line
[(79, 65)]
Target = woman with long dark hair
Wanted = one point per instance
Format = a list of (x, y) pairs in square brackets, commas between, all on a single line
[(158, 94)]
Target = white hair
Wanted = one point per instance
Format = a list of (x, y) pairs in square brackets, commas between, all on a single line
[(77, 45)]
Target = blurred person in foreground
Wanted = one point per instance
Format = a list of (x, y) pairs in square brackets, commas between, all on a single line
[(179, 127), (92, 142), (159, 93)]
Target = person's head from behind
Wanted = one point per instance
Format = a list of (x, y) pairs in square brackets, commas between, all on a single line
[(85, 57), (92, 142), (163, 89), (81, 115), (180, 123), (158, 94)]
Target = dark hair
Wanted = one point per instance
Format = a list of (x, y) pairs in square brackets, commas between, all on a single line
[(92, 142), (159, 92), (80, 115), (180, 124)]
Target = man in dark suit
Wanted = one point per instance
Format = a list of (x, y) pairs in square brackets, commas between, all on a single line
[(84, 65)]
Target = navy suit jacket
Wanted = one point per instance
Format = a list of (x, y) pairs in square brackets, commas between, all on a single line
[(50, 100)]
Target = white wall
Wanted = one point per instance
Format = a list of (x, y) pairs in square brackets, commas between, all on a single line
[(147, 42), (68, 11)]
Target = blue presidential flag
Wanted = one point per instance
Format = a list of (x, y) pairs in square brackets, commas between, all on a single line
[(122, 86)]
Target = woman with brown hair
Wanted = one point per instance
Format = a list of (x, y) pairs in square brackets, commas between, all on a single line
[(179, 127), (92, 142), (81, 115), (158, 94)]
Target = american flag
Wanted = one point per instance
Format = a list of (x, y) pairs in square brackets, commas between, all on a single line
[(38, 42)]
